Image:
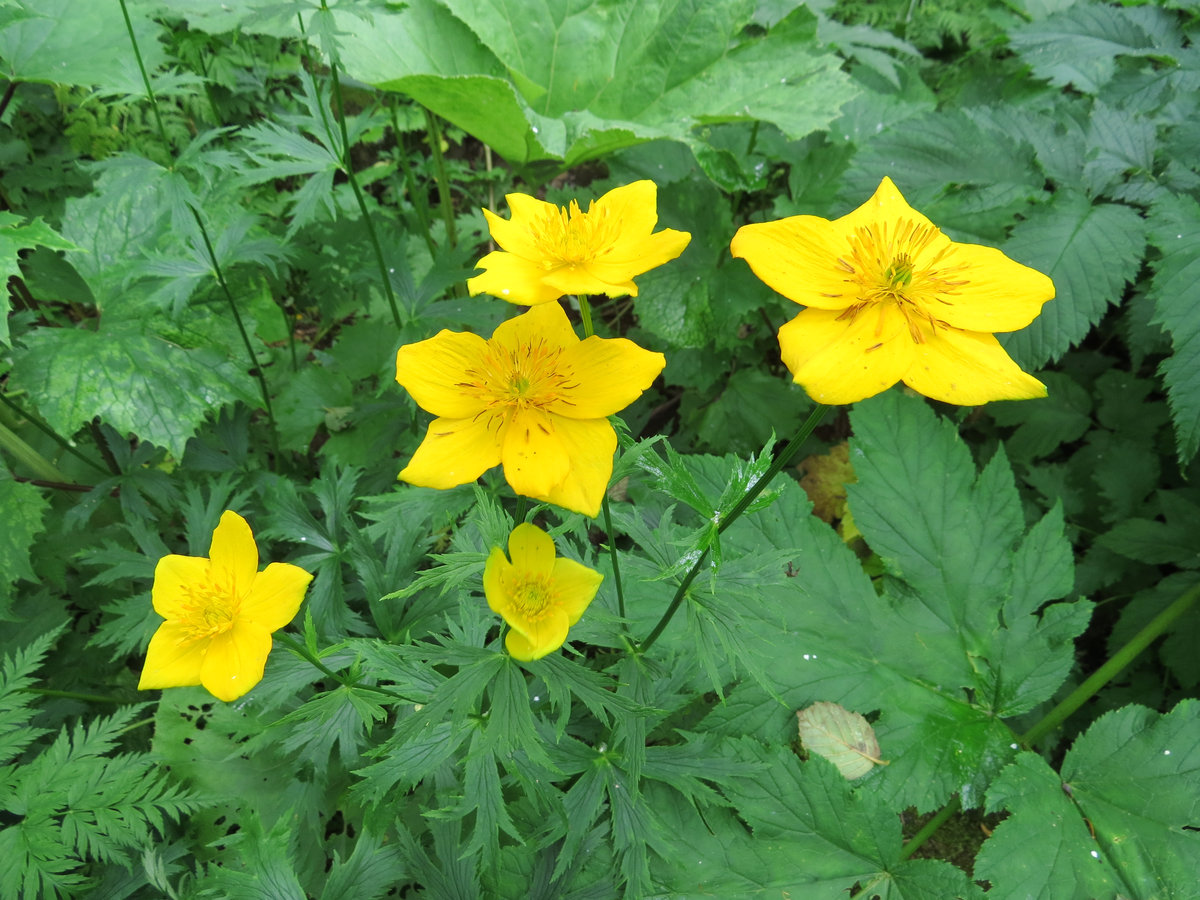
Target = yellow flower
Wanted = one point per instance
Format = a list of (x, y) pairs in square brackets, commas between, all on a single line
[(539, 596), (534, 398), (219, 613), (549, 251), (890, 298)]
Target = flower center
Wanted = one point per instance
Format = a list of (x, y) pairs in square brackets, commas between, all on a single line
[(532, 376), (569, 237), (531, 596), (209, 609), (886, 266)]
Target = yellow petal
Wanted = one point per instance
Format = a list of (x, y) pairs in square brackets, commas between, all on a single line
[(998, 294), (433, 370), (174, 579), (519, 234), (454, 452), (534, 457), (234, 554), (589, 444), (798, 257), (235, 660), (634, 206), (276, 595), (847, 360), (631, 257), (531, 550), (581, 278), (968, 368), (545, 326), (607, 376), (516, 279), (497, 573), (887, 204), (172, 660), (576, 586), (537, 638)]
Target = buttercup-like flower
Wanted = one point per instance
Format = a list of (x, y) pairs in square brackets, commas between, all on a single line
[(219, 613), (534, 398), (890, 298), (548, 251), (539, 596)]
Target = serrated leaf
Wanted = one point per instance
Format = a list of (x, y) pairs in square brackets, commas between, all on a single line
[(15, 237), (137, 382), (843, 737), (1175, 232), (1090, 251), (1175, 540), (22, 507), (1120, 816), (1045, 424)]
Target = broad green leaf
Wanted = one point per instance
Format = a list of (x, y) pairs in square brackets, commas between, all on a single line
[(1175, 232), (136, 381), (1045, 424), (57, 42), (1119, 818), (1175, 540), (843, 737), (15, 237), (813, 837), (1090, 251), (538, 82), (1079, 46)]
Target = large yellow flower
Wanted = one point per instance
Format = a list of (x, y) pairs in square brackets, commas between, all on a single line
[(539, 596), (219, 613), (890, 298), (534, 398), (548, 251)]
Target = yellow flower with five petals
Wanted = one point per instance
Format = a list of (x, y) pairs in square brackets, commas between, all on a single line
[(548, 251), (539, 595), (220, 612), (534, 398), (890, 298)]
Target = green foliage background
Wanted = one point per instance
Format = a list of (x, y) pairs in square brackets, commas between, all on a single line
[(209, 270)]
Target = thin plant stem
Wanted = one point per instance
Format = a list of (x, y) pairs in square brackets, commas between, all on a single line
[(74, 695), (522, 502), (439, 164), (585, 310), (740, 507), (303, 652), (20, 451), (37, 422), (348, 167), (241, 327), (7, 98), (927, 830), (1119, 660), (137, 53)]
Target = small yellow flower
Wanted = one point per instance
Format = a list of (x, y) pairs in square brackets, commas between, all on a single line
[(549, 251), (538, 595), (534, 398), (219, 613), (890, 298)]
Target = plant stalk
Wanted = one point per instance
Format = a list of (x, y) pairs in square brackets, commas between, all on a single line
[(777, 464), (301, 651), (37, 422), (20, 451), (439, 163)]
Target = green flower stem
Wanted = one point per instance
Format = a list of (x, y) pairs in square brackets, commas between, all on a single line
[(301, 651), (522, 503), (38, 423), (7, 98), (237, 318), (927, 830), (137, 53), (439, 163), (73, 695), (20, 451), (1123, 657), (419, 203), (732, 516), (585, 310), (339, 110)]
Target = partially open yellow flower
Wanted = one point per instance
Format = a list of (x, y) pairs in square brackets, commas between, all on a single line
[(219, 613), (548, 251), (890, 298), (539, 595), (534, 398)]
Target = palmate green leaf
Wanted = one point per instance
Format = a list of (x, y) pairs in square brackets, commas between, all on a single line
[(22, 507), (1175, 233), (136, 381), (812, 837), (16, 236), (1118, 820), (56, 41), (537, 82), (950, 648), (1079, 45), (1090, 251)]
